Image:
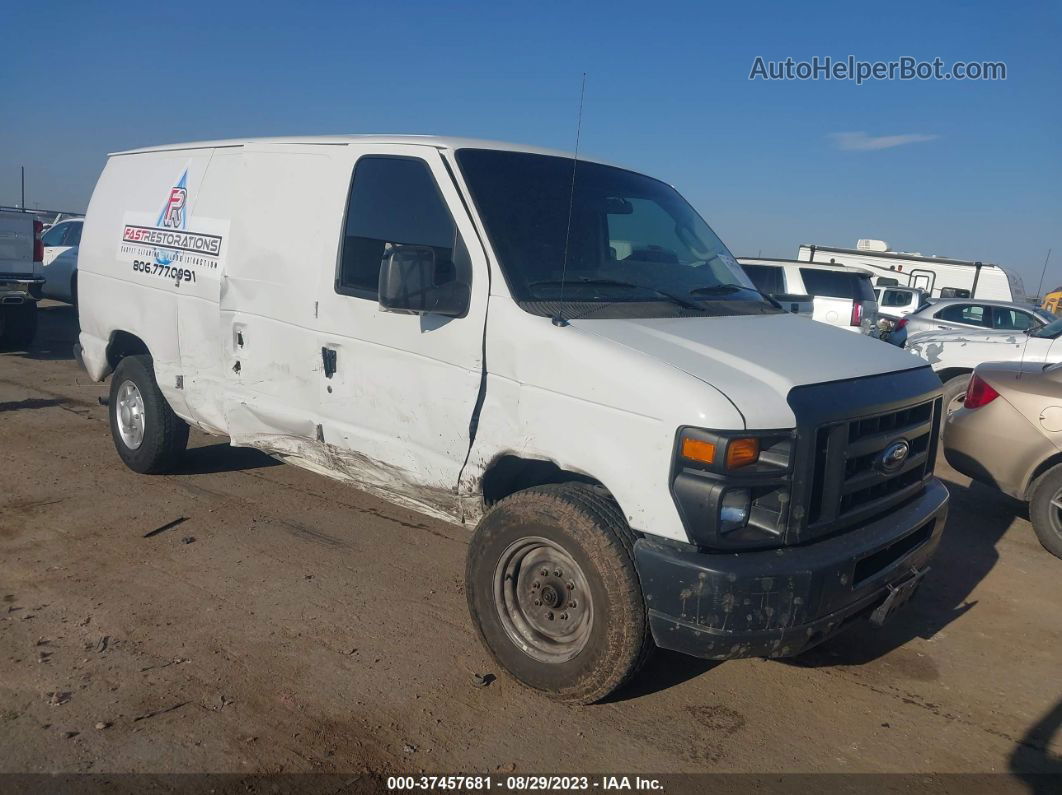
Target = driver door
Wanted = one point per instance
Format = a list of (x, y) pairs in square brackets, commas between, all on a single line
[(397, 391)]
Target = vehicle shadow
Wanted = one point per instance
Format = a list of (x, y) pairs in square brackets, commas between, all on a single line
[(977, 518), (664, 670), (1030, 760), (221, 457), (57, 331)]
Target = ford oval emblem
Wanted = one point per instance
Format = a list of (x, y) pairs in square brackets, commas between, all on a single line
[(893, 456)]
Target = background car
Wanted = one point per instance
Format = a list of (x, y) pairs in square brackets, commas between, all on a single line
[(1008, 435), (842, 296), (61, 244), (954, 355), (966, 313), (896, 302)]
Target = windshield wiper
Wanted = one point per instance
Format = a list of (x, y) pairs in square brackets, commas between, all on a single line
[(721, 288), (730, 288), (685, 303)]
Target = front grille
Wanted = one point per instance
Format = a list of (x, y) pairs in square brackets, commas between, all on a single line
[(848, 482)]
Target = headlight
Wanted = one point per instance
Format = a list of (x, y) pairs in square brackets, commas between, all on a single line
[(732, 487), (734, 509)]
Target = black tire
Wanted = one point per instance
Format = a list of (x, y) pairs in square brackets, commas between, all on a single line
[(164, 434), (19, 325), (588, 527), (1046, 518), (954, 391)]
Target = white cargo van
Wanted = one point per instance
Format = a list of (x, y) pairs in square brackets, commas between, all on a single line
[(648, 450)]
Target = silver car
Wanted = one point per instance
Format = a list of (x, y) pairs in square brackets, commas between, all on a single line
[(957, 314)]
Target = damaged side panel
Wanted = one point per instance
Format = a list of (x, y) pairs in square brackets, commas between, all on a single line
[(567, 396)]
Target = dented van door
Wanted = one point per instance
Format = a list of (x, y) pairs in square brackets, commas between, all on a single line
[(290, 206), (397, 391)]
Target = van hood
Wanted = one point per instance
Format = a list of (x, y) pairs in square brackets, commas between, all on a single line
[(756, 359)]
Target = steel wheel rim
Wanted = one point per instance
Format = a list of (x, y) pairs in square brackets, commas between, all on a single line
[(543, 600), (129, 413)]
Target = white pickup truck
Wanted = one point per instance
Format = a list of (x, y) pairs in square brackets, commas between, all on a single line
[(558, 353), (21, 265)]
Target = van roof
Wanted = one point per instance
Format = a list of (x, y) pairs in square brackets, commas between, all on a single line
[(435, 141)]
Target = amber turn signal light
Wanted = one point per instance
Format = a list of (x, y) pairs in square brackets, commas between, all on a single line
[(742, 452), (696, 450)]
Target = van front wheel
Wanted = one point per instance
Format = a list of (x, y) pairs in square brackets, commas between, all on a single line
[(148, 436), (554, 594)]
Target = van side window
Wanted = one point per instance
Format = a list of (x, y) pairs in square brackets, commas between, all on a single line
[(767, 278), (394, 201)]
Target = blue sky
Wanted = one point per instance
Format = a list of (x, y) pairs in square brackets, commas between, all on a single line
[(667, 93)]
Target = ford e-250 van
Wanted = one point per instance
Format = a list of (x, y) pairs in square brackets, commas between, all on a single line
[(556, 352)]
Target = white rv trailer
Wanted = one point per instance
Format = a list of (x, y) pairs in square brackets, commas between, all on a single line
[(940, 277)]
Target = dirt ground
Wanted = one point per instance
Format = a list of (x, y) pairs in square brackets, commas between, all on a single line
[(293, 624)]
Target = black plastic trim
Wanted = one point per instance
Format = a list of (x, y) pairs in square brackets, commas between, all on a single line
[(777, 603)]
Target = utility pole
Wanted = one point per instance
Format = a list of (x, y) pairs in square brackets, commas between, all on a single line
[(23, 205)]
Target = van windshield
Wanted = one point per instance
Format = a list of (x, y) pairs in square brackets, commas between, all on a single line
[(633, 247)]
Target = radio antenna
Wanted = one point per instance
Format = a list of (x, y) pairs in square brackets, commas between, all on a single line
[(1039, 289), (1042, 274), (558, 319)]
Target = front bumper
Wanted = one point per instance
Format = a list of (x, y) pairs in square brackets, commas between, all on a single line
[(779, 602)]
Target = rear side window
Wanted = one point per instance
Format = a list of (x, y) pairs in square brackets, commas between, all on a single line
[(837, 284), (895, 298), (394, 201), (73, 235), (967, 314), (55, 235), (767, 278)]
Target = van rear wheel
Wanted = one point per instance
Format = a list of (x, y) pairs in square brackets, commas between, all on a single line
[(554, 594), (148, 436)]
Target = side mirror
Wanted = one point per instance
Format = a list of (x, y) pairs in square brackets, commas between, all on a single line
[(407, 284)]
